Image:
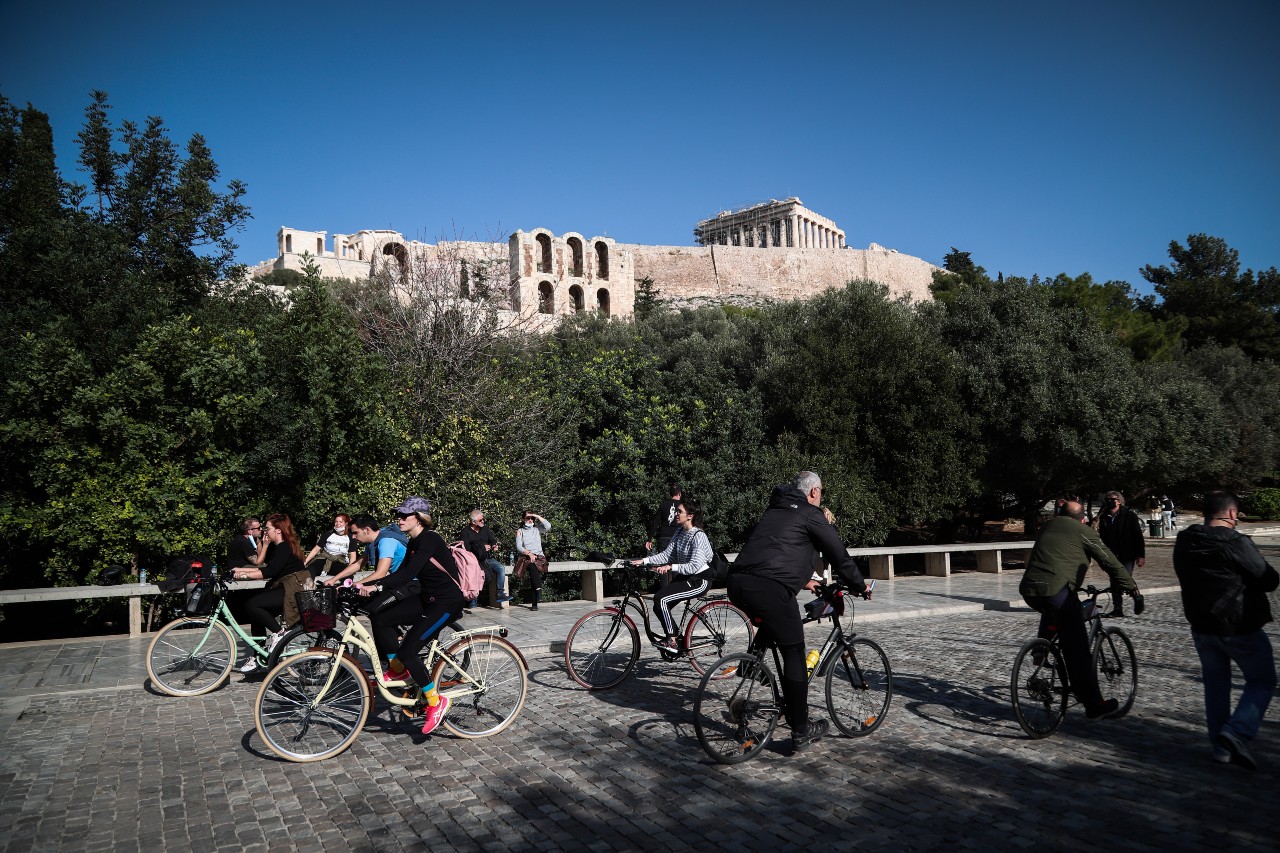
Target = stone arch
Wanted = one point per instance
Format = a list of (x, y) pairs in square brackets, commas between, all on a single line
[(602, 260), (575, 256), (544, 252), (602, 301), (546, 298), (399, 253), (576, 298)]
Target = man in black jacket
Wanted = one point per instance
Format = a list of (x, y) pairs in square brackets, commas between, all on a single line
[(1225, 581), (1121, 531), (479, 540), (775, 564), (663, 525)]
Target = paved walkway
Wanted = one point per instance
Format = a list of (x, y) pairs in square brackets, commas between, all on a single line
[(91, 759)]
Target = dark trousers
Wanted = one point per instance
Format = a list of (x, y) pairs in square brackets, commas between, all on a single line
[(772, 608), (1063, 612), (262, 609)]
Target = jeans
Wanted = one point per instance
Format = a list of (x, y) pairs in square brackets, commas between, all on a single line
[(498, 572), (1252, 653)]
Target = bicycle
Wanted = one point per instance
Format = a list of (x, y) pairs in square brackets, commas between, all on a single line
[(603, 646), (738, 702), (1040, 687), (196, 652), (313, 705)]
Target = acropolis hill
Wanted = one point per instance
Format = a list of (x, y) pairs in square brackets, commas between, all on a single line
[(773, 250)]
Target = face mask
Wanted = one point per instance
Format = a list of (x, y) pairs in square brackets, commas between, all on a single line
[(339, 528), (528, 524)]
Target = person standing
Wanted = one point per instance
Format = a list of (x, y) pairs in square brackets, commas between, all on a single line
[(1167, 513), (1225, 581), (529, 547), (479, 540), (663, 525), (1121, 531), (1054, 572)]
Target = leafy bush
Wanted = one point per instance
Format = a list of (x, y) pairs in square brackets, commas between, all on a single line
[(1264, 503)]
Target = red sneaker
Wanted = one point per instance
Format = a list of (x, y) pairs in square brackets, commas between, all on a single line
[(435, 715)]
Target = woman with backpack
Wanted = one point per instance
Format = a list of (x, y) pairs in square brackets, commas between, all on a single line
[(686, 559), (433, 599)]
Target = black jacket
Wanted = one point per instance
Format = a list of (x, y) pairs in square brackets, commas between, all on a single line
[(475, 540), (785, 544), (1122, 534), (1225, 580), (663, 525)]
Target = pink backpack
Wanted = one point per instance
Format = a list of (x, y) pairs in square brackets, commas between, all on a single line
[(470, 576)]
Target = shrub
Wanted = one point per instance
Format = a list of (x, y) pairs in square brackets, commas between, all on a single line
[(1263, 503)]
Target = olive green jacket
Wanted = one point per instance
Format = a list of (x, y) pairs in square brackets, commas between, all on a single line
[(1061, 557)]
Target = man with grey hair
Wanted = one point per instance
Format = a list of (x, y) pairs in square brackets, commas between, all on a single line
[(479, 540), (775, 564), (1121, 531)]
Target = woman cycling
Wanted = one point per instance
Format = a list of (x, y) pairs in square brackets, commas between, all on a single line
[(687, 558), (437, 600), (285, 574)]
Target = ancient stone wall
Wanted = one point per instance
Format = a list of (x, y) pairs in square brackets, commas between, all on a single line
[(738, 272)]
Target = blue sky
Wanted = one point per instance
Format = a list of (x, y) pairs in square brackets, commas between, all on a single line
[(1041, 138)]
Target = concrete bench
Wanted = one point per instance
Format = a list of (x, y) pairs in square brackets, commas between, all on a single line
[(937, 560)]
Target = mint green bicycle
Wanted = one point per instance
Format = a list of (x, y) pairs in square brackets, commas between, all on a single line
[(195, 653)]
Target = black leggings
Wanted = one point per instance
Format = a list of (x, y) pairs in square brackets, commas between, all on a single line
[(772, 609), (681, 589), (263, 607), (436, 613)]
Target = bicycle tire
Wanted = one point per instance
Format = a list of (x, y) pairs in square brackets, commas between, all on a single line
[(1038, 689), (596, 651), (504, 684), (298, 723), (716, 629), (736, 708), (187, 659), (859, 688), (1117, 668), (298, 640)]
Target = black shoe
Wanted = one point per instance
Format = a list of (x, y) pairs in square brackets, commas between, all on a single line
[(811, 733), (1114, 614), (534, 607), (1106, 709), (1240, 754)]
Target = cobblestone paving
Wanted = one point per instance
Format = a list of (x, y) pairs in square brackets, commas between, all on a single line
[(131, 770)]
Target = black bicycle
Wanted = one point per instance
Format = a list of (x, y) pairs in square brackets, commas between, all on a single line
[(1040, 687), (603, 646), (739, 702)]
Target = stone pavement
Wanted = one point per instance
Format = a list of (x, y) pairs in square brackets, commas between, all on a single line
[(90, 759)]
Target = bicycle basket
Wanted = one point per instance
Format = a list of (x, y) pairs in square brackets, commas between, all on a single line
[(200, 597), (319, 608)]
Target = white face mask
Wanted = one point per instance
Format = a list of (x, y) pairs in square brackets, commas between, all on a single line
[(339, 528), (528, 524)]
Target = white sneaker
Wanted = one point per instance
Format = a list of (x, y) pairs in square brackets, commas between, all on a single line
[(248, 666), (273, 639)]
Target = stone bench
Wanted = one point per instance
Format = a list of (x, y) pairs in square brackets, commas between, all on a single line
[(937, 560)]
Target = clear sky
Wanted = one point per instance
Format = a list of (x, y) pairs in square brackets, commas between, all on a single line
[(1040, 137)]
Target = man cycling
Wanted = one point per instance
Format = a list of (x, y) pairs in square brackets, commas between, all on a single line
[(775, 564)]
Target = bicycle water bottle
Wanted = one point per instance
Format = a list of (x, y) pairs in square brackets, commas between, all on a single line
[(142, 575), (810, 661)]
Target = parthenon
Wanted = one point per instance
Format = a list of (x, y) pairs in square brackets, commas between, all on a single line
[(770, 225)]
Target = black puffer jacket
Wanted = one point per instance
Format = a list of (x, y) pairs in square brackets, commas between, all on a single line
[(786, 541), (1225, 580)]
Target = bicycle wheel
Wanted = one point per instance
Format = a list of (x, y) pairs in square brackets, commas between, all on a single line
[(300, 720), (1039, 688), (715, 629), (859, 688), (736, 708), (191, 656), (601, 649), (1117, 668), (298, 640), (503, 684)]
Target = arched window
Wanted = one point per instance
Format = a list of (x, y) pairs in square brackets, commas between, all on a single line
[(602, 302), (546, 298), (397, 251), (576, 298), (602, 261), (575, 257), (544, 259)]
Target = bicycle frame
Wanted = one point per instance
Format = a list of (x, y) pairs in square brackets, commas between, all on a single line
[(633, 598), (357, 636), (836, 643)]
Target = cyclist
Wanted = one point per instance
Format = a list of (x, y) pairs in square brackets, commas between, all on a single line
[(775, 564), (429, 565), (383, 550), (688, 554), (1055, 571)]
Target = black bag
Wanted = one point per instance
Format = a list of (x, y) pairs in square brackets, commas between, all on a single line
[(200, 597), (181, 571), (719, 570)]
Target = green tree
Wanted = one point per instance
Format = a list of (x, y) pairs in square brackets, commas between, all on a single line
[(1204, 286)]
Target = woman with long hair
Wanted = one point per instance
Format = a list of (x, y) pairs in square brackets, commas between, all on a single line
[(685, 562), (283, 570)]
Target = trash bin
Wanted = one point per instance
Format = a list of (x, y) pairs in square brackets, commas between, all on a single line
[(1157, 528)]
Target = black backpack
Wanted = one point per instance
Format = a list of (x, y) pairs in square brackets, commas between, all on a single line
[(719, 570)]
